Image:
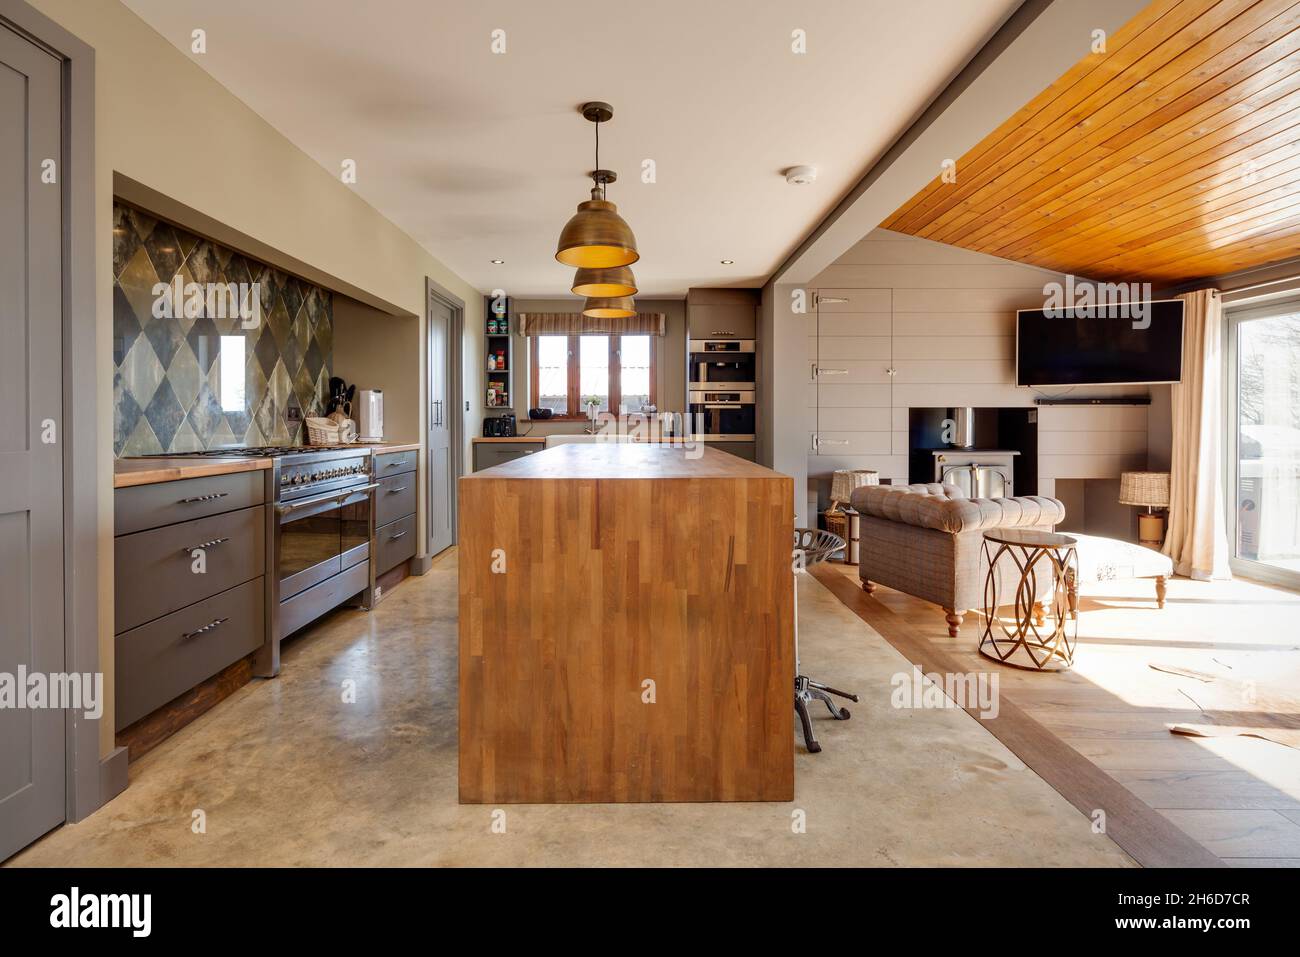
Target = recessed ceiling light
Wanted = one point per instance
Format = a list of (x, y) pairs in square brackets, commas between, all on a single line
[(498, 262), (728, 262), (801, 175)]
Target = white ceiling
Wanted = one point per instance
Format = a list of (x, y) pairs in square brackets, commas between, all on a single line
[(483, 156)]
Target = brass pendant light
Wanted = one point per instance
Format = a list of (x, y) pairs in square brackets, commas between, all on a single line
[(596, 237), (617, 307), (605, 283)]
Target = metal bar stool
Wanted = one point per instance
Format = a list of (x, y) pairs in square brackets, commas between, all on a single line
[(810, 547)]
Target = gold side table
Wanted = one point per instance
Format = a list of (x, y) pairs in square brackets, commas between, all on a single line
[(1029, 641)]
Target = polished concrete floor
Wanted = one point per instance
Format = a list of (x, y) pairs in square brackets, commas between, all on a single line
[(287, 773)]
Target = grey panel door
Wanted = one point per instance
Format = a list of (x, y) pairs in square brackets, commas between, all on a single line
[(441, 467), (31, 472)]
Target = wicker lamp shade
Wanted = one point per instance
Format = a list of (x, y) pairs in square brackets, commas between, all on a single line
[(844, 481), (1144, 488)]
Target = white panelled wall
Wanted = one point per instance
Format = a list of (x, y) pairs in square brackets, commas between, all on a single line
[(943, 319)]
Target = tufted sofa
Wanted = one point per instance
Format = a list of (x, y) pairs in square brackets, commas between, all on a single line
[(926, 540)]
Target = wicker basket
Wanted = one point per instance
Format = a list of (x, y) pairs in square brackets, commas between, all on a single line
[(322, 431)]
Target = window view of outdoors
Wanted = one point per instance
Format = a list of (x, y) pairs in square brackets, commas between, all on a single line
[(593, 365), (553, 373), (1268, 441), (634, 360)]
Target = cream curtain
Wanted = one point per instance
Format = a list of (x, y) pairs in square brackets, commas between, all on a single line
[(1197, 540)]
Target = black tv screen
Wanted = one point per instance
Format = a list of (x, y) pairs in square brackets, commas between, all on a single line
[(1112, 344)]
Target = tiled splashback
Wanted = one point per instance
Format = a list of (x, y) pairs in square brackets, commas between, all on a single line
[(204, 376)]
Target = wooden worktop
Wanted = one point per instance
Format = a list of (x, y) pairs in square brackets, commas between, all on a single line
[(612, 566), (382, 448), (509, 438), (142, 471), (628, 460)]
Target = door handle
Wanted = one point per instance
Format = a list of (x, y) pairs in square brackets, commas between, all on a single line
[(395, 536), (338, 496), (205, 629)]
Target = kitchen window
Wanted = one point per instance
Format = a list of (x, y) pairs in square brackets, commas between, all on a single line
[(565, 371)]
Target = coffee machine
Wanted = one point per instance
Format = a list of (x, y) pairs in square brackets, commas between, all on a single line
[(499, 426)]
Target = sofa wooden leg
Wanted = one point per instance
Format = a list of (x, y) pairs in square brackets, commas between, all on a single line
[(1072, 593), (1040, 614), (1161, 585), (868, 587), (954, 621)]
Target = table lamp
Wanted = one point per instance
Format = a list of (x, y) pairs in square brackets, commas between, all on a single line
[(844, 481), (1150, 489)]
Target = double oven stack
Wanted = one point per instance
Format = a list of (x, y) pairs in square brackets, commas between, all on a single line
[(721, 397)]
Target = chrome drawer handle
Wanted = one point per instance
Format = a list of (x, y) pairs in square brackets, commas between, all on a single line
[(205, 629), (215, 541), (203, 498), (395, 536), (724, 332), (396, 464), (394, 491)]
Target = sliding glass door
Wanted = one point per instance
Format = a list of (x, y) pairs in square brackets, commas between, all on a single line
[(1264, 441)]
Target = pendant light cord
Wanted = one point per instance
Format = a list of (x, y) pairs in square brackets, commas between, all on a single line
[(598, 183)]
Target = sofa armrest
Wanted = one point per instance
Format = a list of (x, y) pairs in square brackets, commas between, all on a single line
[(944, 508)]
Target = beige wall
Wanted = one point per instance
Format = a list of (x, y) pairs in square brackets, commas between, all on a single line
[(944, 319), (373, 350), (670, 359), (211, 152)]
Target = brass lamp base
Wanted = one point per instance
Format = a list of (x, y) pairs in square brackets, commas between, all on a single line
[(1151, 530)]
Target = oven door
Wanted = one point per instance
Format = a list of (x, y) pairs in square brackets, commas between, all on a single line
[(321, 535), (726, 416)]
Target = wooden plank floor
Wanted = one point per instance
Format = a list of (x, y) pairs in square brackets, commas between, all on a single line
[(1237, 797)]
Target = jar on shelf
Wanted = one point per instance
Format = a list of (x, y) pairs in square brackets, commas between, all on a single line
[(492, 326)]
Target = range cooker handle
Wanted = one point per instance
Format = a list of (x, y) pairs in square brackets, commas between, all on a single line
[(337, 496)]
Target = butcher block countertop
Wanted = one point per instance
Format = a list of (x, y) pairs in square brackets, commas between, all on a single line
[(382, 448), (627, 460), (508, 438), (141, 471)]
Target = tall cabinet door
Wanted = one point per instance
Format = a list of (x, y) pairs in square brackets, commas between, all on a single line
[(441, 468), (31, 471)]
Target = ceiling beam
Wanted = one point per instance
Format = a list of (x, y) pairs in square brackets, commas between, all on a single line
[(1037, 43)]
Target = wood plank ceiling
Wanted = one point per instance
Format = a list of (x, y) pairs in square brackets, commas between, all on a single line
[(1172, 156)]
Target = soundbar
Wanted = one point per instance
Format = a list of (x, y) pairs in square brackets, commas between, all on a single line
[(1106, 400)]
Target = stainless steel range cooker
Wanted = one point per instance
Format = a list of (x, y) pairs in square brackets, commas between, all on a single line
[(320, 534)]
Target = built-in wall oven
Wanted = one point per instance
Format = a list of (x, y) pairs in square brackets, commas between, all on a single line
[(721, 364), (723, 415)]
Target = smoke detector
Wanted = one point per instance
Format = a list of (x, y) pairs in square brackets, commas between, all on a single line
[(801, 175)]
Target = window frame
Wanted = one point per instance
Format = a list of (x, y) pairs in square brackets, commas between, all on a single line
[(574, 374)]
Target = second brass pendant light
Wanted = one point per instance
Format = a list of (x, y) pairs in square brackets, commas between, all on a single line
[(599, 242)]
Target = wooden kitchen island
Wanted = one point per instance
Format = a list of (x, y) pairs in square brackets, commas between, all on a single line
[(626, 628)]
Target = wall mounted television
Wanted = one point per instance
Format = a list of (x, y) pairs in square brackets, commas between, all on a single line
[(1104, 345)]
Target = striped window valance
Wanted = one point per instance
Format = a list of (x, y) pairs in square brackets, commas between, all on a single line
[(576, 324)]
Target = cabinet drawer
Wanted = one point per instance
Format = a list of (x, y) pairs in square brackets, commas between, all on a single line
[(153, 569), (165, 503), (395, 543), (165, 658), (488, 454), (394, 463), (394, 498)]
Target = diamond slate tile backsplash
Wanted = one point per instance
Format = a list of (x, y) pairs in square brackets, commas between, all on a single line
[(184, 383)]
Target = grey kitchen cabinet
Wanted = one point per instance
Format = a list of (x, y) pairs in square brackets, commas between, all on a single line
[(189, 585), (395, 509), (722, 320), (488, 454)]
